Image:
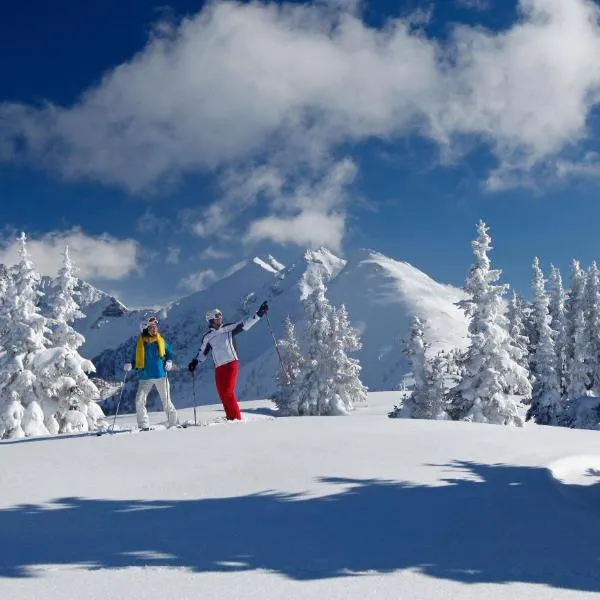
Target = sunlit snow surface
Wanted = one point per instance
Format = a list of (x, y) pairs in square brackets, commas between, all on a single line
[(312, 507)]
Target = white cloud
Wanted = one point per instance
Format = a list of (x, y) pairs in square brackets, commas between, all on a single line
[(212, 253), (588, 167), (240, 189), (150, 223), (196, 282), (102, 256), (312, 214), (306, 229), (295, 81), (173, 254)]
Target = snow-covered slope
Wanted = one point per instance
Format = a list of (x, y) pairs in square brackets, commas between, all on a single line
[(356, 508), (380, 293), (381, 296)]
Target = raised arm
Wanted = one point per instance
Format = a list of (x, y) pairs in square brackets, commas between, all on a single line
[(249, 322)]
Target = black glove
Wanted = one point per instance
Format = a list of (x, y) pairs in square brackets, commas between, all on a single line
[(193, 365), (263, 310)]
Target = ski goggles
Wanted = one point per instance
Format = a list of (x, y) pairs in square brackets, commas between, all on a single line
[(152, 322)]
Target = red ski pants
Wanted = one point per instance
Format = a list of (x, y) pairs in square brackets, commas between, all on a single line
[(225, 378)]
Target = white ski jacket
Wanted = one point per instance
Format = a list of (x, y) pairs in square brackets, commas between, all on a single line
[(221, 342)]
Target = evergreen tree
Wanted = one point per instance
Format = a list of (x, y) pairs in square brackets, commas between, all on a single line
[(416, 405), (454, 365), (292, 359), (436, 387), (348, 387), (5, 276), (559, 325), (4, 281), (591, 304), (24, 337), (545, 406), (328, 378), (516, 330), (70, 402), (577, 338), (491, 373), (311, 395)]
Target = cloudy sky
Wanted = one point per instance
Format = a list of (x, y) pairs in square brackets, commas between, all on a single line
[(165, 144)]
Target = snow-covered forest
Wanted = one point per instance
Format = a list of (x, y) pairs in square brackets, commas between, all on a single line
[(531, 359), (44, 384), (541, 355)]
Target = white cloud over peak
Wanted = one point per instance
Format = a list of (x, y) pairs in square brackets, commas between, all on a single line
[(312, 213), (95, 257), (240, 189), (239, 82), (305, 229)]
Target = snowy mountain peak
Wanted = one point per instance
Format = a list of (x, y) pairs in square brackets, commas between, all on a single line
[(332, 263), (322, 262), (389, 282)]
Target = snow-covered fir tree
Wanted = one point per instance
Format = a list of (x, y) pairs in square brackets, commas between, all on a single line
[(318, 391), (559, 325), (311, 396), (24, 337), (4, 284), (416, 406), (70, 402), (427, 400), (591, 307), (292, 359), (492, 376), (348, 388), (4, 281), (516, 330), (577, 337), (436, 387), (546, 407), (453, 361)]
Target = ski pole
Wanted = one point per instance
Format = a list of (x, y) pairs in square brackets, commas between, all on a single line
[(119, 402), (194, 394), (287, 377)]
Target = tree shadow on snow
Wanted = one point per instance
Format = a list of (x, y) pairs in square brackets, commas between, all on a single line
[(486, 524)]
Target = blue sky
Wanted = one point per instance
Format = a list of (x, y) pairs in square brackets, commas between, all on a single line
[(167, 144)]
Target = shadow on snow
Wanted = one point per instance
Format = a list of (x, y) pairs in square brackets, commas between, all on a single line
[(488, 523)]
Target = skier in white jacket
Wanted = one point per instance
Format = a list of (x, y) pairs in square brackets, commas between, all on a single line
[(219, 341)]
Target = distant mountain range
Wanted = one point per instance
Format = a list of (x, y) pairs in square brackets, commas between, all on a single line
[(380, 293)]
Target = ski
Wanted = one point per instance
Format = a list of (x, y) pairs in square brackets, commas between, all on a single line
[(110, 431), (63, 436)]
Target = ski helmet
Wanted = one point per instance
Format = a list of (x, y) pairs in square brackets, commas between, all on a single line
[(213, 314), (152, 321), (149, 321)]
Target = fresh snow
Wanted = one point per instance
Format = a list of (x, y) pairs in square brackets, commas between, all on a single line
[(352, 507)]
